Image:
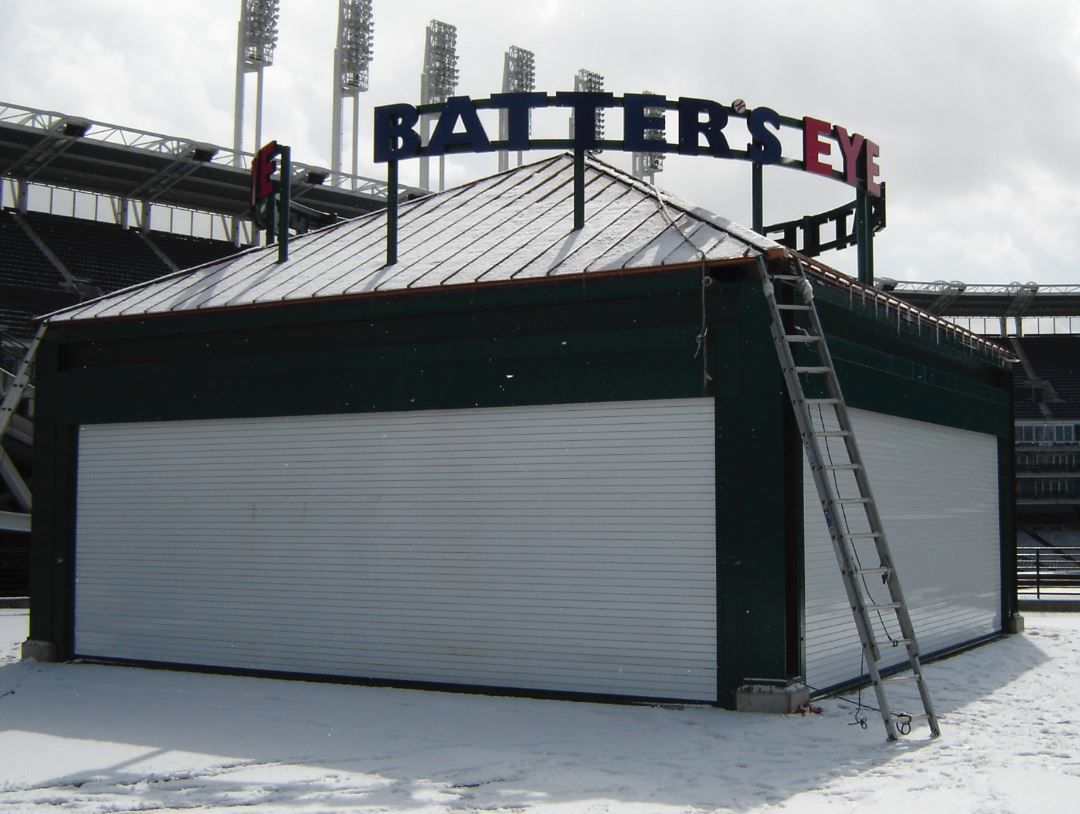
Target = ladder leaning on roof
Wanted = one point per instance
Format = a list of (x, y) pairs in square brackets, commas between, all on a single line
[(12, 396), (842, 484)]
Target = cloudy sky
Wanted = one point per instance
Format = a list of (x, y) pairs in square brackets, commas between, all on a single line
[(974, 103)]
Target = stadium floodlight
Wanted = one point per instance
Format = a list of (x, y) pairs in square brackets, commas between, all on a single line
[(256, 38), (440, 61), (356, 43), (352, 59), (438, 83), (646, 165), (519, 76), (586, 81), (259, 21)]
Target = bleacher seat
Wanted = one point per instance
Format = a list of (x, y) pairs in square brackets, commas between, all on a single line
[(1055, 358), (16, 322), (103, 255), (186, 251), (21, 262)]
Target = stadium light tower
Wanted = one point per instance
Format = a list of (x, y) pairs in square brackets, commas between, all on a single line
[(519, 76), (437, 84), (256, 38), (352, 57), (646, 165), (589, 82)]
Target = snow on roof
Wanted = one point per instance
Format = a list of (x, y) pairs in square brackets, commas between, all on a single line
[(516, 225)]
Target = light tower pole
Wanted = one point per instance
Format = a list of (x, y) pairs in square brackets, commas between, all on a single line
[(437, 84), (519, 76), (646, 165), (586, 81), (352, 58), (256, 37)]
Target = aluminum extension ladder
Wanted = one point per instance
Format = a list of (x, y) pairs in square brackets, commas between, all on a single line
[(843, 488)]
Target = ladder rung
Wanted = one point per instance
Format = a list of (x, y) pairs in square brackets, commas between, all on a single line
[(865, 535), (898, 643), (849, 467), (815, 402), (812, 369), (884, 606), (802, 337), (786, 277), (853, 501), (871, 572), (900, 679), (783, 306), (922, 716), (832, 433)]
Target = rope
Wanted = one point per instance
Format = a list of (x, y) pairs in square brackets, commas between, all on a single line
[(702, 348)]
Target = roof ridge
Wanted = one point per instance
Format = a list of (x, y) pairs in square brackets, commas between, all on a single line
[(737, 230)]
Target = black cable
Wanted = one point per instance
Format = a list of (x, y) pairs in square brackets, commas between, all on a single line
[(854, 551), (903, 720)]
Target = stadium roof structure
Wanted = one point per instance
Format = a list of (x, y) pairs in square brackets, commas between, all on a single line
[(512, 227), (57, 149), (958, 299)]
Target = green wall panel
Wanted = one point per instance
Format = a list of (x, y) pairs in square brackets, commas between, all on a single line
[(635, 337)]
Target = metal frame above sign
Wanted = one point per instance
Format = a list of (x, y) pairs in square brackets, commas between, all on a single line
[(701, 132)]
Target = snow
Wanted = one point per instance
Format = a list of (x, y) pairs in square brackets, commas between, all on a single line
[(95, 738)]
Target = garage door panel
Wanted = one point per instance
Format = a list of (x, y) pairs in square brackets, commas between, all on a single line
[(564, 547), (937, 493)]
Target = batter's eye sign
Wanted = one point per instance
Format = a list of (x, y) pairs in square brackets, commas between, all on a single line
[(703, 128)]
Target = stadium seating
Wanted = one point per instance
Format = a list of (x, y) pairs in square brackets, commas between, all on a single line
[(16, 323), (1056, 359), (187, 252), (21, 262), (101, 254), (102, 257)]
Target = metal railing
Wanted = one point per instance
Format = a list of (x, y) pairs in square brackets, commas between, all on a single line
[(50, 121), (1048, 572)]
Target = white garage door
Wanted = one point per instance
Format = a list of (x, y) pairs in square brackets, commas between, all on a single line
[(937, 493), (565, 548)]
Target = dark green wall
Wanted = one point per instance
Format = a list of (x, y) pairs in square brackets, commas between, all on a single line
[(631, 337)]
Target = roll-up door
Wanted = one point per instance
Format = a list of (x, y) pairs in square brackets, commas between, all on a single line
[(564, 548), (937, 492)]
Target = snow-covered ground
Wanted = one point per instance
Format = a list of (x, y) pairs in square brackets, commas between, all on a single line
[(92, 738)]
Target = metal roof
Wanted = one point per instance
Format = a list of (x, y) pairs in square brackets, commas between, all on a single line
[(516, 225), (67, 151), (509, 227)]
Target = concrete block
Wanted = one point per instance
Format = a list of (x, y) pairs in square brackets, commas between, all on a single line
[(36, 650), (1014, 624), (777, 699)]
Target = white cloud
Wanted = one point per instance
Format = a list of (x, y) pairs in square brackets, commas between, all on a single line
[(971, 100)]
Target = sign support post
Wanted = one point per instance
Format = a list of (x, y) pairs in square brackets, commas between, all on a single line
[(284, 190), (864, 236), (579, 189), (757, 194), (391, 211)]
